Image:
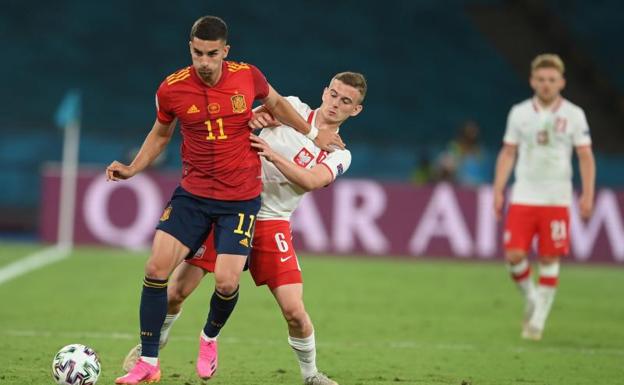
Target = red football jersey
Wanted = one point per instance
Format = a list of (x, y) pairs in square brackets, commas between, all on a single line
[(217, 158)]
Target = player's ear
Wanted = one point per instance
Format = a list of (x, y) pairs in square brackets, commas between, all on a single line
[(356, 111), (563, 82), (226, 50)]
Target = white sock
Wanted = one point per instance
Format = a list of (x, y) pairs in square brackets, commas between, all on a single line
[(549, 276), (544, 300), (166, 328), (305, 349), (206, 338), (521, 274), (150, 360)]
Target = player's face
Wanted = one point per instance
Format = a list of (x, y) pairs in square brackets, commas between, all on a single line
[(207, 57), (547, 83), (340, 101)]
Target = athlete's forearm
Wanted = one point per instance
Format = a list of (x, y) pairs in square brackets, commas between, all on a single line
[(152, 146), (308, 179), (587, 167), (302, 177), (504, 166), (285, 113)]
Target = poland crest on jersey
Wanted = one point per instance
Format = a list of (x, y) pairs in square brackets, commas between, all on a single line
[(303, 157)]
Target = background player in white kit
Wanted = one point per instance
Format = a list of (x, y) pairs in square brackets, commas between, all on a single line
[(543, 131), (291, 165)]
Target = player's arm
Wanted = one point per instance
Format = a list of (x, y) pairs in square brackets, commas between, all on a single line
[(308, 179), (262, 118), (504, 165), (279, 107), (587, 167), (154, 144)]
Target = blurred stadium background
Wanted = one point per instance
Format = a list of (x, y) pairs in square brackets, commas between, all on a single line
[(442, 75)]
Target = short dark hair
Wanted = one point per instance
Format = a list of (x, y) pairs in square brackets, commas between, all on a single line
[(355, 80), (209, 28)]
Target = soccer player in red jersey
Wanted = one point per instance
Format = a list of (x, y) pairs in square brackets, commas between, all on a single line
[(220, 187), (291, 166)]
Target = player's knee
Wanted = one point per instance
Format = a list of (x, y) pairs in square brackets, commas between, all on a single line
[(155, 270), (295, 316), (176, 296), (226, 287), (515, 256), (226, 283), (548, 259)]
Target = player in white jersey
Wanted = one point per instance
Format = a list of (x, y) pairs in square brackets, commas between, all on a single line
[(291, 166), (543, 131)]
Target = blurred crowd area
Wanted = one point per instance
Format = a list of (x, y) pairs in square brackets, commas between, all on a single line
[(442, 77)]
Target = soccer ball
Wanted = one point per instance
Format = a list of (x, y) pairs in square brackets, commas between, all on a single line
[(76, 364)]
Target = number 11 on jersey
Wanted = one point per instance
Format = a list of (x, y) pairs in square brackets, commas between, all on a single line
[(210, 135), (241, 221)]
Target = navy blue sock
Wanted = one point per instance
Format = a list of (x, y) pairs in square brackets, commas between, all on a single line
[(221, 306), (152, 314)]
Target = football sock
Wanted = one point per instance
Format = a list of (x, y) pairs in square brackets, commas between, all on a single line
[(150, 360), (152, 314), (206, 338), (221, 306), (521, 274), (166, 328), (305, 349), (548, 280)]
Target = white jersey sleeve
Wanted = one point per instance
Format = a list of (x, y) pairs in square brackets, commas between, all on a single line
[(512, 133), (299, 106), (337, 162), (580, 130)]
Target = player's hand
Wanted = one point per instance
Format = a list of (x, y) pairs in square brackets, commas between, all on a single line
[(119, 171), (499, 201), (329, 141), (262, 147), (586, 206), (262, 119)]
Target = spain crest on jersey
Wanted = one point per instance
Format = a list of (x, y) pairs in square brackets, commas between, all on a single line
[(238, 104)]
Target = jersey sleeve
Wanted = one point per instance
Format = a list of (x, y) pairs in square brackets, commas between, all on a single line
[(261, 85), (512, 134), (299, 106), (337, 162), (164, 112), (580, 130)]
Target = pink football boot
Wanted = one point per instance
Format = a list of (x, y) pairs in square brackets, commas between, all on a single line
[(206, 359), (141, 372)]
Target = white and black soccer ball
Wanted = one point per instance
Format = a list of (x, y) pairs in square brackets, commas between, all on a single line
[(76, 364)]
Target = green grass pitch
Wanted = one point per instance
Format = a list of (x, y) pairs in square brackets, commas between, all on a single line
[(377, 321)]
